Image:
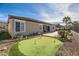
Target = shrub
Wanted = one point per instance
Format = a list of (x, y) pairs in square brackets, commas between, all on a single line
[(63, 33), (4, 35)]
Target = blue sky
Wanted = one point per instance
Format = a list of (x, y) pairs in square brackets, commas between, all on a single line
[(52, 13)]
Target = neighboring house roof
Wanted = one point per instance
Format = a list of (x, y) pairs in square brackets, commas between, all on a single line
[(27, 19)]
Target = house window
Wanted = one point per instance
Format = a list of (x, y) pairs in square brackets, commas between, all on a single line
[(19, 26), (22, 26)]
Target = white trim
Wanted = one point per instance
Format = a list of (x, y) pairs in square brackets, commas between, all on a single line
[(21, 21)]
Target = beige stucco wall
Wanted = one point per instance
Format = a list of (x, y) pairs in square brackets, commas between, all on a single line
[(52, 28), (10, 27), (30, 27)]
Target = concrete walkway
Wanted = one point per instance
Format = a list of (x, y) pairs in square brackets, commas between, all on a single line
[(53, 34)]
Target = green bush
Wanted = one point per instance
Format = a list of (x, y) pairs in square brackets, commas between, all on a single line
[(63, 33), (4, 35)]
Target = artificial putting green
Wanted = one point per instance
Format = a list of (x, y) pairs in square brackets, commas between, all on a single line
[(36, 46)]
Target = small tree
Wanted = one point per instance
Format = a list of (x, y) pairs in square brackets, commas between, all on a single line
[(67, 20), (65, 32)]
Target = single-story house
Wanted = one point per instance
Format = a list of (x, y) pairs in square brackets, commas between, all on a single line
[(27, 26)]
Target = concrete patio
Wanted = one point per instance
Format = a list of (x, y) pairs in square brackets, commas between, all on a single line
[(53, 34)]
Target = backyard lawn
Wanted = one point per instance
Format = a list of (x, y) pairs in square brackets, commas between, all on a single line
[(36, 46)]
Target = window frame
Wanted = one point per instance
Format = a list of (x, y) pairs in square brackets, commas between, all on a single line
[(23, 26), (20, 25), (16, 26)]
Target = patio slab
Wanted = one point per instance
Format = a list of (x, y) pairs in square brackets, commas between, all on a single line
[(53, 34)]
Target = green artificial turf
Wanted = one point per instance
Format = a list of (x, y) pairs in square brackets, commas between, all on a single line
[(36, 46)]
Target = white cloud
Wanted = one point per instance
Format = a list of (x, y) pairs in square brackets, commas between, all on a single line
[(74, 16), (3, 18), (53, 16), (51, 20), (56, 17), (45, 14)]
